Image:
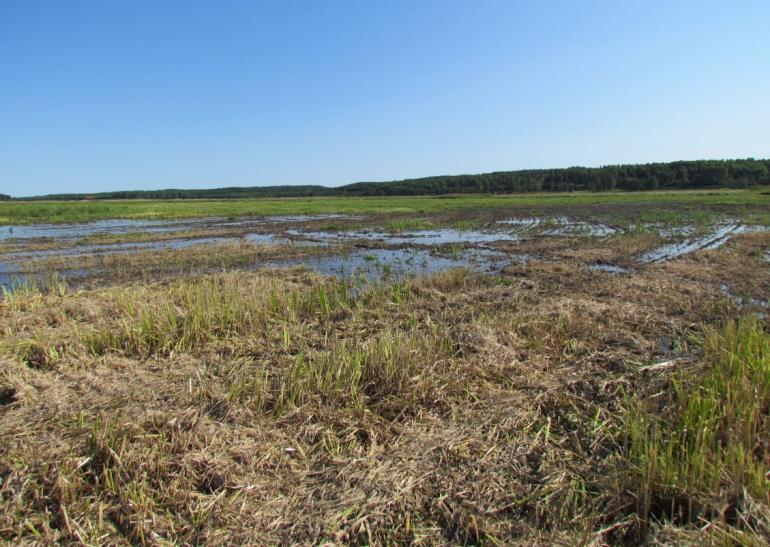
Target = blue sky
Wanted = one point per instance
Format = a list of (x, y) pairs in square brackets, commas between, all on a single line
[(118, 94)]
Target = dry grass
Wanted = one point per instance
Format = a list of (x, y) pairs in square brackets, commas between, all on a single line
[(282, 407)]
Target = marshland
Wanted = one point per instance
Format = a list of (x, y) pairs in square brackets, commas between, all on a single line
[(384, 273), (540, 369)]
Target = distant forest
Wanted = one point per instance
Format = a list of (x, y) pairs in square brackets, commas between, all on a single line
[(651, 176)]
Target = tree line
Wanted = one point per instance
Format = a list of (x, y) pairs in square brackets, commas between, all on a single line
[(739, 173)]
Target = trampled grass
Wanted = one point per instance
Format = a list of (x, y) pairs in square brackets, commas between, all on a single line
[(83, 211)]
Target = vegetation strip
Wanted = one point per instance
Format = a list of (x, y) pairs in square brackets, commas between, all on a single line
[(18, 212)]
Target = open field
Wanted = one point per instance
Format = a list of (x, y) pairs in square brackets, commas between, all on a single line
[(83, 211), (572, 369)]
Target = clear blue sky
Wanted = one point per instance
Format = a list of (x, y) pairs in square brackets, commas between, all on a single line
[(119, 94)]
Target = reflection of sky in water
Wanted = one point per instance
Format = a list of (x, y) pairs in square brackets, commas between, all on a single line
[(371, 263), (397, 263), (68, 231), (442, 236), (714, 240), (607, 268), (134, 246), (123, 226)]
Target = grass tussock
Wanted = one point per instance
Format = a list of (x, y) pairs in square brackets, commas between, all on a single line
[(705, 456), (387, 372)]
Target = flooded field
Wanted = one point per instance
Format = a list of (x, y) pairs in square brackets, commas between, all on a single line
[(358, 245), (487, 376)]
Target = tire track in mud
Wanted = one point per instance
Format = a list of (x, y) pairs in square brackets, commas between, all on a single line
[(714, 240)]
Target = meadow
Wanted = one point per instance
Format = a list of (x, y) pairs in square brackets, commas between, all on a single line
[(28, 212), (229, 392)]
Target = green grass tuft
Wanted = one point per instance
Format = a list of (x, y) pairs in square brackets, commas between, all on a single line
[(706, 455)]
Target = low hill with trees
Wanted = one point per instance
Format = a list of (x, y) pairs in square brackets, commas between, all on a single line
[(739, 173)]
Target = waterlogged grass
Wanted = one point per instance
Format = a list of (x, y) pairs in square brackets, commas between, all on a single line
[(405, 225), (57, 212), (155, 263), (707, 455)]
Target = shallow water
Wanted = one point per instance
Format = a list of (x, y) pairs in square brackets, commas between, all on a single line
[(563, 225), (521, 223), (10, 279), (714, 240), (137, 246), (560, 225), (673, 231), (395, 263), (70, 231), (762, 305), (514, 230), (417, 253), (369, 263), (441, 236), (608, 268), (123, 226)]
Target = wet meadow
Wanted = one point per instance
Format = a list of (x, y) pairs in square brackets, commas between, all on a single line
[(572, 369)]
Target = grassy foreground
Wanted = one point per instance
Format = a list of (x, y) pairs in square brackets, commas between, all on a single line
[(283, 407), (82, 211)]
